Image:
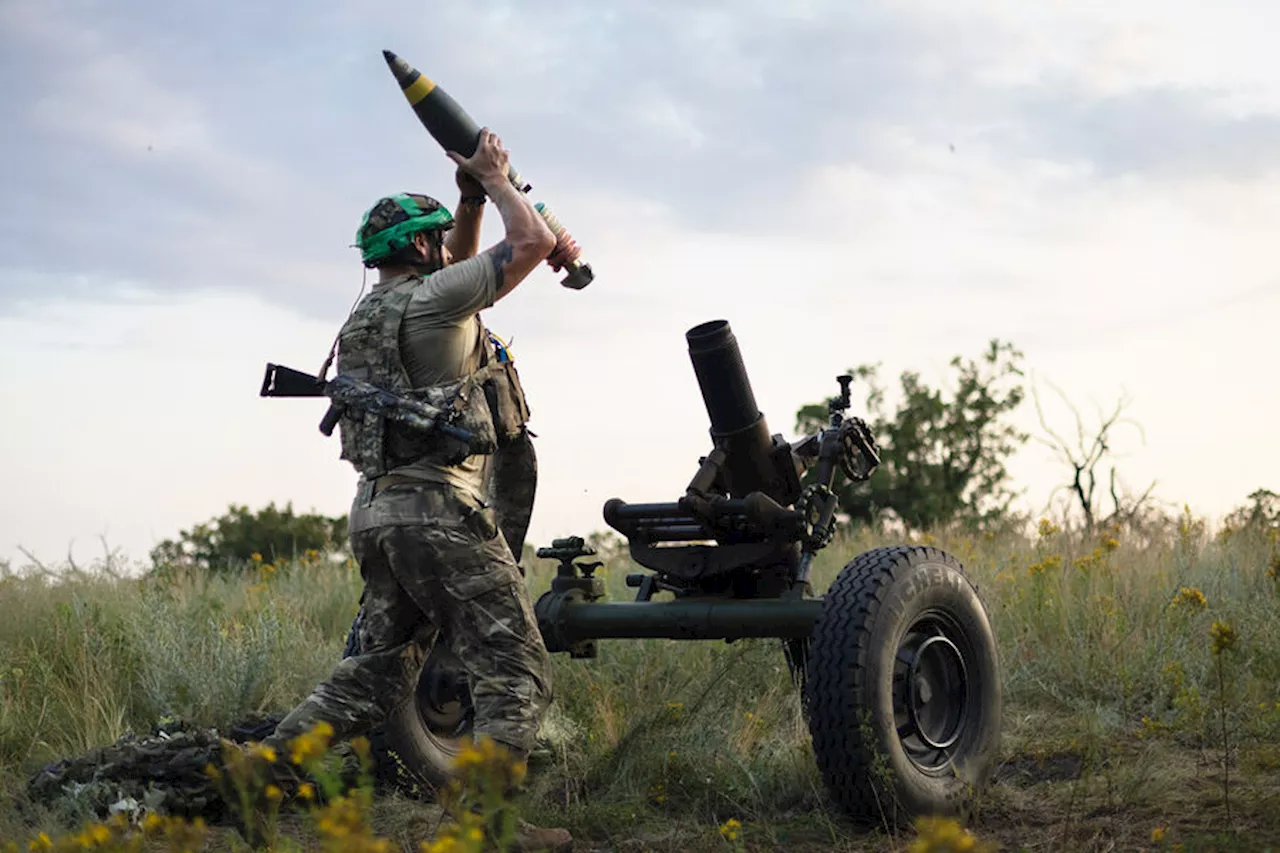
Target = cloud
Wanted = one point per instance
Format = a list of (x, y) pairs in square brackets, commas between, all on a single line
[(845, 183), (231, 147), (1172, 134), (128, 179)]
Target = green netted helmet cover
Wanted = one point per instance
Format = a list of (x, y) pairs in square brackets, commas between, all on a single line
[(390, 224)]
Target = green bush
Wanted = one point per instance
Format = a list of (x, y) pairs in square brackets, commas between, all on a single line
[(239, 538)]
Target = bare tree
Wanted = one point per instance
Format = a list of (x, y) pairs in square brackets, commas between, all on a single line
[(1086, 454)]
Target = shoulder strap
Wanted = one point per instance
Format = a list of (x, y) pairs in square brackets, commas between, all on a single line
[(482, 341)]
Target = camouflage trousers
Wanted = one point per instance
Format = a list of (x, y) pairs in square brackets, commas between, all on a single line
[(434, 562)]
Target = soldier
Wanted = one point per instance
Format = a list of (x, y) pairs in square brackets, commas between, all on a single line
[(421, 526)]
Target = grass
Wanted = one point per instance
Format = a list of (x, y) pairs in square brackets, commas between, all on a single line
[(1123, 728)]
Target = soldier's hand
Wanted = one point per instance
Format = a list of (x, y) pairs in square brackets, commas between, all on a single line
[(566, 252), (468, 186), (489, 163)]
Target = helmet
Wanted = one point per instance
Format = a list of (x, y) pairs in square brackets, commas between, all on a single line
[(390, 224)]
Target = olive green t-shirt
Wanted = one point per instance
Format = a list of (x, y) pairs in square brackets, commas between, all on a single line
[(440, 339)]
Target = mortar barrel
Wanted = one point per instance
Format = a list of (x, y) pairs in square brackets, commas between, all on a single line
[(726, 390)]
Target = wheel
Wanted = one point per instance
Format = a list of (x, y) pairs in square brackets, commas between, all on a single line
[(903, 689), (417, 744)]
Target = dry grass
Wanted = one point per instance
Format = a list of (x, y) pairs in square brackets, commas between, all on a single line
[(1114, 714)]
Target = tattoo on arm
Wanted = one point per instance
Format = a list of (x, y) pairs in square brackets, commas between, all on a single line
[(500, 255)]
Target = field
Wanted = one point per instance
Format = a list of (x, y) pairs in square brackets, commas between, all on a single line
[(1142, 697)]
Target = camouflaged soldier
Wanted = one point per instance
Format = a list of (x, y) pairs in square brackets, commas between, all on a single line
[(422, 525)]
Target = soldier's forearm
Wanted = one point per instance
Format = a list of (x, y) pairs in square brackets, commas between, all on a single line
[(525, 227), (463, 240)]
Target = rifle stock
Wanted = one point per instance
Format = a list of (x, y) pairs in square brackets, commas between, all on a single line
[(345, 392), (281, 381)]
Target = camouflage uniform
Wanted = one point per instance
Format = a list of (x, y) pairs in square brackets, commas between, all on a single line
[(433, 559)]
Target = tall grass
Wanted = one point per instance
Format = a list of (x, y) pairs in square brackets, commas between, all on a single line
[(1104, 638), (87, 656)]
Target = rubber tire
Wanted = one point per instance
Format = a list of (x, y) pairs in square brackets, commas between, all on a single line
[(867, 611), (408, 755)]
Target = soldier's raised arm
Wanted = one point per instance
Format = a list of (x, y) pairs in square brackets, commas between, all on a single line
[(528, 240)]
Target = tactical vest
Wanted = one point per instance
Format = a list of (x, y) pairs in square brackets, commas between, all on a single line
[(489, 402)]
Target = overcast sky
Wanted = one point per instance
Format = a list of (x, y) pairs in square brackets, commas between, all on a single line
[(844, 182)]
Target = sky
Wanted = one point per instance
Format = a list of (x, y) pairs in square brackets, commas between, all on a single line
[(893, 183)]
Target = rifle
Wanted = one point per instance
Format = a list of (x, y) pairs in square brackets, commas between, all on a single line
[(346, 392)]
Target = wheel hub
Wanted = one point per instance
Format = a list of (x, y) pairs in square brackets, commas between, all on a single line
[(443, 694), (931, 692), (937, 676)]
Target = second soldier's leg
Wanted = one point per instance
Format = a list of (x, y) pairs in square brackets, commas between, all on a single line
[(394, 634)]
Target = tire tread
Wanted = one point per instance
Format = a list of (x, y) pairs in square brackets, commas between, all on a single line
[(841, 641)]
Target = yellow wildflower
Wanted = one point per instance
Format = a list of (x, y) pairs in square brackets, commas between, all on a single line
[(40, 842), (1157, 835), (468, 757), (152, 822), (1089, 561), (273, 793), (302, 749), (310, 744), (447, 844), (730, 829), (1047, 528), (1222, 637), (266, 753), (1049, 563), (306, 791), (944, 835), (1191, 598), (256, 557), (99, 833), (362, 749)]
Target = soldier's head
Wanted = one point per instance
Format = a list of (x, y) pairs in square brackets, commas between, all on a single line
[(405, 230)]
